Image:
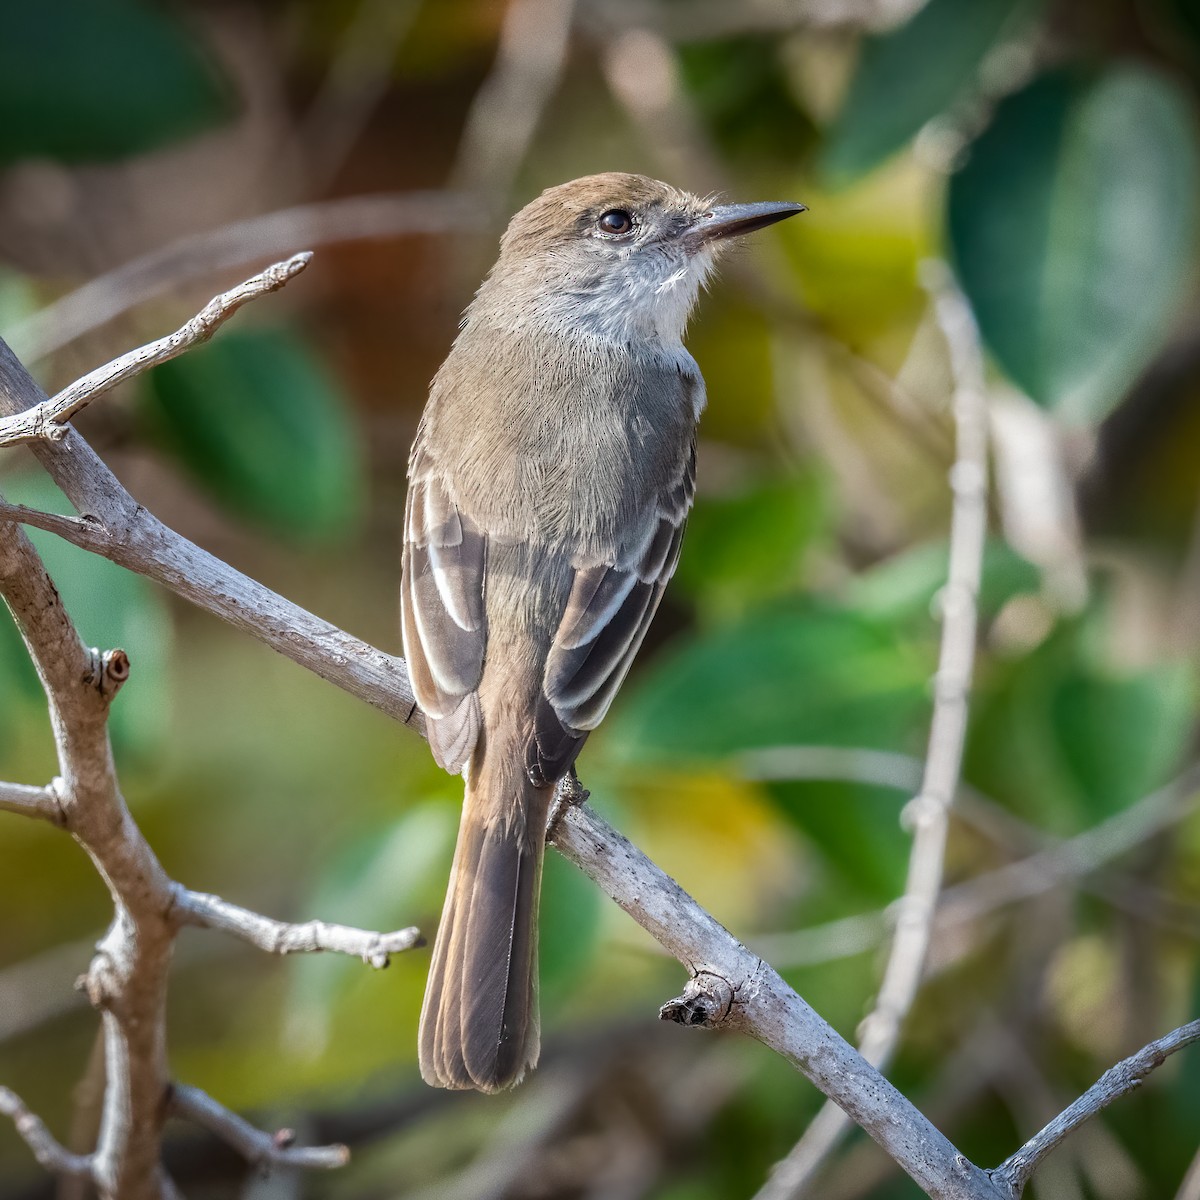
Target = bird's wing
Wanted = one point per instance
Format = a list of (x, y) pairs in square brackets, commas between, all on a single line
[(442, 609), (606, 617)]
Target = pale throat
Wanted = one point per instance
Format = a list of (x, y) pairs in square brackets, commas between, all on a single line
[(636, 298)]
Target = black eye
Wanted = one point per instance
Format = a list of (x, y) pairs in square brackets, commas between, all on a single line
[(616, 221)]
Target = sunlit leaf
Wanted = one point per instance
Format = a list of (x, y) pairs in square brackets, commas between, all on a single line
[(1072, 228), (260, 424), (907, 76), (84, 80)]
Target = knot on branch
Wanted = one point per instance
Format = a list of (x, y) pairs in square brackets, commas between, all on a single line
[(705, 1002), (568, 793), (101, 982), (107, 671)]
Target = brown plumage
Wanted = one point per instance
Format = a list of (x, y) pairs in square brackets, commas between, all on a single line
[(548, 488)]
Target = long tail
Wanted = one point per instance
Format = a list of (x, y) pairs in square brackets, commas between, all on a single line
[(479, 1022)]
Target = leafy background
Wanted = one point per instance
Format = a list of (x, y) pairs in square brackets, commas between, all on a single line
[(1049, 152)]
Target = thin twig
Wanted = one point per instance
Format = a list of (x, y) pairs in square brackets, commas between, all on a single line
[(1046, 868), (279, 937), (127, 978), (712, 20), (49, 1152), (39, 802), (116, 527), (202, 255), (49, 419), (1077, 856), (508, 105), (1014, 1173), (359, 77), (928, 812), (256, 1147)]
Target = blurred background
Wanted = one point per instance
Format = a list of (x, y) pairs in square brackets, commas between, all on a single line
[(154, 154)]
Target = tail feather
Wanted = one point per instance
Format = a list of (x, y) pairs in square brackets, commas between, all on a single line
[(479, 1022)]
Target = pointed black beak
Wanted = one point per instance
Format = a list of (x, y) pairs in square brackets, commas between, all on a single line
[(732, 220)]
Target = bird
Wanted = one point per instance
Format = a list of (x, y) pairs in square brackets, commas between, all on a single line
[(549, 482)]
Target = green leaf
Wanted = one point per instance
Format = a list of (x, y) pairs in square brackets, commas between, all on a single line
[(1072, 226), (856, 828), (741, 90), (1121, 736), (569, 928), (751, 546), (85, 80), (262, 427), (903, 587), (1067, 739), (800, 674), (908, 76), (795, 676), (378, 882)]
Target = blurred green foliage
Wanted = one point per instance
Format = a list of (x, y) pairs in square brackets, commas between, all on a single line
[(86, 80), (260, 425), (1072, 225), (1048, 151)]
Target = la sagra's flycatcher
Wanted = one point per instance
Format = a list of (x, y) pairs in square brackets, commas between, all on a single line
[(549, 484)]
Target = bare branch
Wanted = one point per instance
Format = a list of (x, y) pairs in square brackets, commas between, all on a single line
[(127, 978), (507, 107), (929, 811), (202, 255), (49, 1152), (1014, 1173), (256, 1147), (731, 986), (1076, 856), (31, 802), (49, 419), (1048, 867), (115, 526), (705, 20), (280, 937), (763, 1005)]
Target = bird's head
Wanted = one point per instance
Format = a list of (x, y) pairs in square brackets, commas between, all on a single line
[(618, 256)]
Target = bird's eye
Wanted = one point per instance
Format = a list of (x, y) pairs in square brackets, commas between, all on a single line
[(615, 222)]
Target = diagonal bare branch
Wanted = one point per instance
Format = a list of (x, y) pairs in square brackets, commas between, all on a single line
[(202, 255), (929, 812), (1014, 1173), (763, 1005), (115, 526), (49, 418), (49, 1152), (256, 1147)]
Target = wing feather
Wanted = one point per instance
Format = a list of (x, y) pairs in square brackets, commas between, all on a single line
[(606, 617), (442, 608)]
